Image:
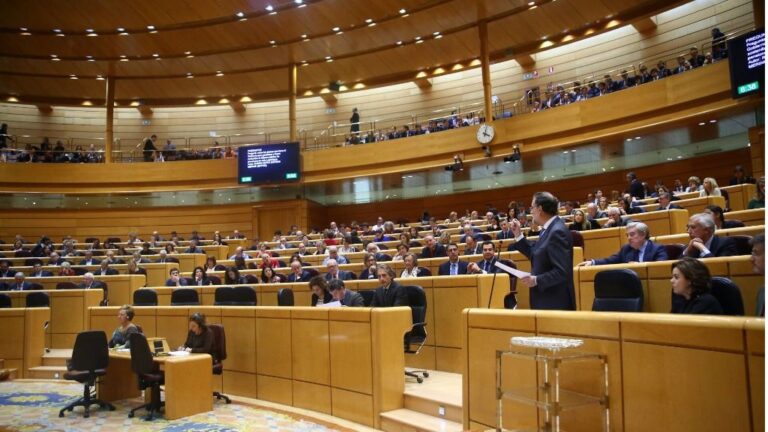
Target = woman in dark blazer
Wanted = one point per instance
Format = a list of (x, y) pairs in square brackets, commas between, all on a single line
[(320, 293), (690, 279)]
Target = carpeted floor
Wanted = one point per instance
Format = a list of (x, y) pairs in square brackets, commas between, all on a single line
[(28, 406)]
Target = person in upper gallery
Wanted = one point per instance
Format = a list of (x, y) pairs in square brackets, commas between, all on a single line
[(704, 243), (710, 188), (121, 335), (758, 200), (695, 59), (344, 296), (453, 266), (105, 269), (175, 280), (318, 285), (145, 249), (690, 279), (717, 215), (150, 148), (199, 337), (298, 274), (354, 122), (593, 213), (665, 202), (740, 176), (390, 293), (199, 277), (433, 249), (581, 222), (639, 248), (551, 278)]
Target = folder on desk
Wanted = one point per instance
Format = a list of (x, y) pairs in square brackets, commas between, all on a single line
[(158, 345)]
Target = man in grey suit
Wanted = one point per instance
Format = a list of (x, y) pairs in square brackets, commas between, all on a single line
[(551, 279), (343, 295)]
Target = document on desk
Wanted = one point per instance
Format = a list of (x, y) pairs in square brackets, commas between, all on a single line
[(331, 304), (179, 353), (513, 271), (123, 350)]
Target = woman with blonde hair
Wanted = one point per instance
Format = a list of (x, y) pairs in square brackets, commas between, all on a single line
[(710, 188)]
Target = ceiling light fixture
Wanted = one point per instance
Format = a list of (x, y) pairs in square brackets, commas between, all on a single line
[(57, 30), (270, 8), (402, 11), (239, 14), (369, 20), (150, 27), (373, 24), (219, 73), (120, 29), (335, 29)]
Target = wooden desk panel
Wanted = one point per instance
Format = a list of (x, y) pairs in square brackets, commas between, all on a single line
[(740, 195), (12, 323)]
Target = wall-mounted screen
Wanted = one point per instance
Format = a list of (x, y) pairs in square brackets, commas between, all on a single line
[(747, 63), (268, 163)]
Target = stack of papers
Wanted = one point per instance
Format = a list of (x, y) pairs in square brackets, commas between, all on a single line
[(178, 353)]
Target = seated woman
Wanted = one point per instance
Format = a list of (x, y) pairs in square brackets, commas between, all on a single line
[(210, 263), (710, 188), (170, 248), (320, 294), (582, 223), (690, 279), (121, 335), (268, 275), (411, 266), (232, 277), (758, 200), (346, 246), (134, 268), (199, 338), (625, 204), (402, 250), (199, 277)]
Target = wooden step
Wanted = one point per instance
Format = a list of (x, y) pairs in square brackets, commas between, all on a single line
[(57, 357), (46, 372), (405, 420), (434, 405)]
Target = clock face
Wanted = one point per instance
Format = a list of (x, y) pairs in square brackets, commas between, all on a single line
[(485, 134)]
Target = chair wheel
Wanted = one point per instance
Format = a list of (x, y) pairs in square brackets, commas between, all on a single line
[(61, 414), (419, 380), (111, 407), (130, 414), (426, 374)]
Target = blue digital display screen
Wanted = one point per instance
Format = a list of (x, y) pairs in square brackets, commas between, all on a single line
[(268, 163)]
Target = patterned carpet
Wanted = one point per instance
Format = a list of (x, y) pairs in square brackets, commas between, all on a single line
[(30, 406)]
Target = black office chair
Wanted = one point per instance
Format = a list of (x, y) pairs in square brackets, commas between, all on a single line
[(224, 296), (5, 301), (244, 296), (618, 291), (31, 262), (172, 260), (674, 250), (219, 354), (145, 297), (37, 299), (79, 271), (105, 300), (185, 297), (215, 280), (367, 296), (728, 294), (742, 244), (578, 239), (90, 359), (22, 254), (251, 279), (219, 267), (66, 285), (312, 273), (91, 239), (34, 286), (424, 272), (285, 297), (417, 300), (149, 375), (382, 257)]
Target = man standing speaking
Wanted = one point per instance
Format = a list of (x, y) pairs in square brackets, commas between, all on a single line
[(551, 279)]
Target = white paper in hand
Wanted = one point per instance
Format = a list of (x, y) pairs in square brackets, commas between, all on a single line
[(331, 304), (513, 271)]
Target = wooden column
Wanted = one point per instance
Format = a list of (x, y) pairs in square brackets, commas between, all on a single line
[(292, 72), (758, 9), (109, 132), (486, 67)]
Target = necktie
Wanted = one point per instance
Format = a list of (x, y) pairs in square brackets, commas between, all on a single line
[(636, 255), (486, 267)]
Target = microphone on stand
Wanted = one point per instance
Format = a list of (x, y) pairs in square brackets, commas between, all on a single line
[(493, 282)]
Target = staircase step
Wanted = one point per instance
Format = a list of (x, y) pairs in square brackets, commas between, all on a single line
[(441, 406), (57, 357), (405, 420), (46, 372)]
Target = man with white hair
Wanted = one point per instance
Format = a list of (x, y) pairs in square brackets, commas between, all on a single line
[(240, 252), (334, 273), (639, 248), (614, 218), (333, 254), (704, 243), (90, 283), (19, 284)]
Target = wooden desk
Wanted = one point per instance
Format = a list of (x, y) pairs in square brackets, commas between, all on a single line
[(188, 383)]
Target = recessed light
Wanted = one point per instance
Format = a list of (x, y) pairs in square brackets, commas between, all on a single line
[(339, 32), (436, 33), (155, 55), (74, 77), (304, 36), (438, 36), (239, 14), (120, 29), (531, 3), (327, 57), (270, 8), (399, 43), (54, 55), (273, 13), (418, 38), (219, 73), (187, 52), (637, 138), (99, 78), (123, 56), (189, 75), (23, 28), (419, 41), (124, 34), (369, 20), (713, 121), (57, 30), (299, 1), (150, 27), (702, 123), (402, 11), (335, 29), (25, 33), (301, 6), (532, 7), (373, 24), (272, 42), (92, 34), (89, 30), (191, 56)]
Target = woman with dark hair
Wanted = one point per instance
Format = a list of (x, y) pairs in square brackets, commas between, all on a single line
[(210, 263), (199, 338), (232, 276), (268, 275), (320, 294), (758, 200), (121, 335), (170, 248), (690, 279), (199, 277)]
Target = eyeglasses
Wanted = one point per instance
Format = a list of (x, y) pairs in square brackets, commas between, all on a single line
[(692, 226)]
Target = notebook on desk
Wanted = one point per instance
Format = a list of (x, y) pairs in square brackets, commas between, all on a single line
[(158, 345)]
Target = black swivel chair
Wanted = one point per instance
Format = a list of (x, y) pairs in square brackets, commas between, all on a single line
[(215, 280), (5, 301), (90, 359), (424, 272), (145, 297), (285, 297), (674, 250), (618, 291), (578, 239), (37, 299), (367, 297), (185, 297), (417, 300), (728, 294), (66, 285), (149, 375), (219, 354), (251, 279), (35, 286), (244, 296), (510, 299), (224, 296), (742, 244)]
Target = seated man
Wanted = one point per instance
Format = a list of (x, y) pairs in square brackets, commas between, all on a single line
[(193, 247), (665, 202), (369, 272), (89, 259), (54, 259), (638, 248), (240, 252), (5, 269), (298, 274), (346, 297), (469, 231), (334, 273), (704, 243), (162, 256), (614, 218), (19, 284), (105, 270), (594, 213), (488, 263), (390, 293), (453, 266), (333, 254), (175, 280), (37, 271), (433, 249), (471, 247), (506, 231), (90, 283)]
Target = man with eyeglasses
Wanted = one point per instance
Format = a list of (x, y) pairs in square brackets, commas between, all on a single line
[(638, 248), (704, 243), (454, 266)]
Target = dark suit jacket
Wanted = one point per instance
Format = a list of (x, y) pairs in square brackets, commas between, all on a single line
[(95, 285), (169, 282), (365, 274), (653, 252), (43, 273), (94, 261), (326, 299), (303, 278), (195, 250), (671, 206), (25, 286), (552, 264), (395, 295), (9, 274), (110, 272), (721, 246), (636, 189), (445, 268), (352, 299), (343, 275), (478, 249), (439, 252), (502, 235)]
